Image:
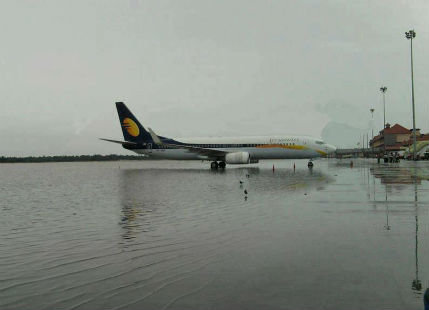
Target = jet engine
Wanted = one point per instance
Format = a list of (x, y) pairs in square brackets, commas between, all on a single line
[(237, 158)]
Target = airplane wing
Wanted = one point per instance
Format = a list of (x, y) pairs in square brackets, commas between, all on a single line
[(200, 150), (120, 142), (192, 149)]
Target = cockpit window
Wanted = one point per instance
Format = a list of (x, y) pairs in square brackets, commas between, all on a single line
[(319, 142)]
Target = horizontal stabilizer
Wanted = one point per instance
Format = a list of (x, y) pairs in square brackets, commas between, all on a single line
[(120, 142), (192, 149)]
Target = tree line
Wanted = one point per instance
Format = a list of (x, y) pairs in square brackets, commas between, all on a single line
[(43, 159)]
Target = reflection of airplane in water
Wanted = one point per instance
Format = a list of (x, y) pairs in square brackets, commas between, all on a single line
[(151, 195), (263, 180), (221, 150)]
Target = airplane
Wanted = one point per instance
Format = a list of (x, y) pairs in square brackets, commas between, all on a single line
[(219, 150)]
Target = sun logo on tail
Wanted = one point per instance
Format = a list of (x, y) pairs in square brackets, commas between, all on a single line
[(131, 127)]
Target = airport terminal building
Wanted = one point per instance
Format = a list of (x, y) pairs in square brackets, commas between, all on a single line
[(396, 138)]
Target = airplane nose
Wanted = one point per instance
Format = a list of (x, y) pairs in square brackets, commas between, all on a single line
[(330, 148)]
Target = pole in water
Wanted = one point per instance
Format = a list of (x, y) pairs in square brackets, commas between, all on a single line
[(351, 164), (293, 166), (273, 168)]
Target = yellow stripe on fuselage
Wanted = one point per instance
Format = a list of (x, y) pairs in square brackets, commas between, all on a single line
[(290, 147)]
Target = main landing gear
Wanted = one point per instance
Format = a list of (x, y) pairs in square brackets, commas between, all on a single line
[(214, 165)]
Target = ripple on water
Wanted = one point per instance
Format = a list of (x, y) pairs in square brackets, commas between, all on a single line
[(170, 235)]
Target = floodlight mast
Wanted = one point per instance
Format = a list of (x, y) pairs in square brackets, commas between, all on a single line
[(410, 35), (383, 89), (372, 129)]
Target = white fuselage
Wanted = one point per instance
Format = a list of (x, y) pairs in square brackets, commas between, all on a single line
[(272, 147)]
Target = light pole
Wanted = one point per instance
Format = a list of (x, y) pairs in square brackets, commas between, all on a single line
[(372, 129), (410, 35), (383, 90)]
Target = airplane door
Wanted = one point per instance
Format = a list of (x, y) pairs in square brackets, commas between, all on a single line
[(149, 147)]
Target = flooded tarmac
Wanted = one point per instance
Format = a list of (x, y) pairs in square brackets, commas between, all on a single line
[(175, 235)]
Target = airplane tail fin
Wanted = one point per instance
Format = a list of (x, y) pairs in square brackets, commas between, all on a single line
[(131, 128)]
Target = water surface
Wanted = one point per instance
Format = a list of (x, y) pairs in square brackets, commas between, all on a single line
[(175, 235)]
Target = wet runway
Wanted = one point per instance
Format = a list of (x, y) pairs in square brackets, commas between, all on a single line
[(175, 235)]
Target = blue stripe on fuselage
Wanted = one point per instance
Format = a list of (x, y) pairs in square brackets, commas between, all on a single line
[(155, 146)]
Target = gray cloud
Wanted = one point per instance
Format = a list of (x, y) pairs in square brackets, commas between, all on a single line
[(193, 68)]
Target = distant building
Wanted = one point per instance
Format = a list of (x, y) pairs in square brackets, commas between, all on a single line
[(419, 137), (396, 138), (391, 138)]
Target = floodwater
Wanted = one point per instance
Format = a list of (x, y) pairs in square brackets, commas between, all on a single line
[(175, 235)]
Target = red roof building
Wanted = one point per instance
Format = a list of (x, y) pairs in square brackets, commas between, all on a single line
[(392, 138)]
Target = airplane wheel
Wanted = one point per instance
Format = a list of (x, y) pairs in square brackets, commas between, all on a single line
[(310, 164), (222, 165), (214, 165)]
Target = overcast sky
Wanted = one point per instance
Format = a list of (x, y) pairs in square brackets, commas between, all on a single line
[(203, 68)]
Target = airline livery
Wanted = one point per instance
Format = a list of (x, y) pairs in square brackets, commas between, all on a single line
[(220, 151)]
